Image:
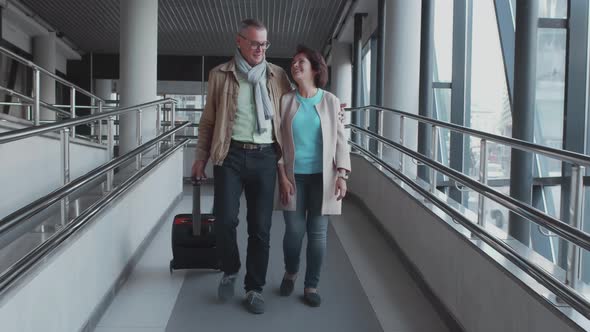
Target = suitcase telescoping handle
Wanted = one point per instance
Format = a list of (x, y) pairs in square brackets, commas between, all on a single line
[(196, 207)]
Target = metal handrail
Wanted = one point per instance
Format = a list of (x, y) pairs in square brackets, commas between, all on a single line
[(3, 103), (558, 227), (77, 106), (567, 294), (165, 109), (168, 123), (572, 157), (45, 71), (19, 269), (34, 131), (32, 101), (15, 218)]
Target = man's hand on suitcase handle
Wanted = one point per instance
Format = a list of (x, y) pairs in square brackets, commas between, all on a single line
[(198, 171)]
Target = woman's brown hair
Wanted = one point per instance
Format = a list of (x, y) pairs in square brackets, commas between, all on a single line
[(318, 64)]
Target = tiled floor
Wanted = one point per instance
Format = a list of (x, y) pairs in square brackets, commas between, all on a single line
[(146, 302)]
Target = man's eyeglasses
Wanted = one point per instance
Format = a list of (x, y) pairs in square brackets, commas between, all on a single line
[(254, 44)]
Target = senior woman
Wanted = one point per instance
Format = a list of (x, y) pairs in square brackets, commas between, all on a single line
[(312, 171)]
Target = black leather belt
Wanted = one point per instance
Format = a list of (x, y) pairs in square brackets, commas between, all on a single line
[(249, 146)]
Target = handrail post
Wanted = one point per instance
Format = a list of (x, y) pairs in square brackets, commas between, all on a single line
[(36, 96), (92, 111), (110, 149), (76, 208), (158, 126), (380, 133), (100, 122), (65, 209), (138, 137), (65, 167), (576, 220), (195, 129), (165, 115), (117, 127), (483, 178), (158, 119), (401, 142), (172, 123), (73, 108), (367, 127), (65, 155), (433, 153)]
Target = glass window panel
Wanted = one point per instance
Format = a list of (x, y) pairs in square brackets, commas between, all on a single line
[(443, 40), (547, 167), (442, 102), (498, 160), (187, 101), (553, 194), (547, 8), (494, 213), (553, 8), (550, 97), (490, 103), (513, 10), (550, 93), (366, 78), (586, 254), (366, 90)]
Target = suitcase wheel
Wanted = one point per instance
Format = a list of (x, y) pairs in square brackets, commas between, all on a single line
[(171, 266)]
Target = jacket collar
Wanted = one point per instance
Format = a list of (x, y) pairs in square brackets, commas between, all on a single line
[(230, 66)]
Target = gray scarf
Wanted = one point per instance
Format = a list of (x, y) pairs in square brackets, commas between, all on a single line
[(257, 77)]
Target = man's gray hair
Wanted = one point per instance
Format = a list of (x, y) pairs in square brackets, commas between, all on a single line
[(251, 23)]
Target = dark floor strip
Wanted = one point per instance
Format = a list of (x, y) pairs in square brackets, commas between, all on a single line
[(345, 306)]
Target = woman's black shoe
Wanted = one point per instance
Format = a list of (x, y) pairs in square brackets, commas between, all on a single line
[(312, 299), (287, 286)]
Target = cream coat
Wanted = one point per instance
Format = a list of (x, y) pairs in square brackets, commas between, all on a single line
[(336, 153)]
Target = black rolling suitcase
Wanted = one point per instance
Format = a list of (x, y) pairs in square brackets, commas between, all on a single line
[(193, 243)]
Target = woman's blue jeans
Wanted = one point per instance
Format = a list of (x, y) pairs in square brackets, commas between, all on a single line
[(307, 218)]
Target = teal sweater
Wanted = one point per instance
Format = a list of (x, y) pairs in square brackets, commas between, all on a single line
[(307, 135)]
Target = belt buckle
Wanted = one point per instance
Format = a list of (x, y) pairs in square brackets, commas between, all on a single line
[(249, 146)]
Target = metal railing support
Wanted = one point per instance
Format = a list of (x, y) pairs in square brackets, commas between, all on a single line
[(100, 105), (172, 122), (36, 96), (110, 150), (138, 138), (574, 254), (483, 178), (158, 125), (433, 156), (401, 142), (73, 108)]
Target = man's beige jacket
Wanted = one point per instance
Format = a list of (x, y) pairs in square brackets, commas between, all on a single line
[(217, 120)]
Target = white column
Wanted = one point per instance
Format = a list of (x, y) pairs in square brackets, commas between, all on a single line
[(341, 80), (103, 88), (44, 55), (402, 71), (138, 67)]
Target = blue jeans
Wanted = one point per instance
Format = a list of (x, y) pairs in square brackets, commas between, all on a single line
[(307, 218), (254, 172)]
